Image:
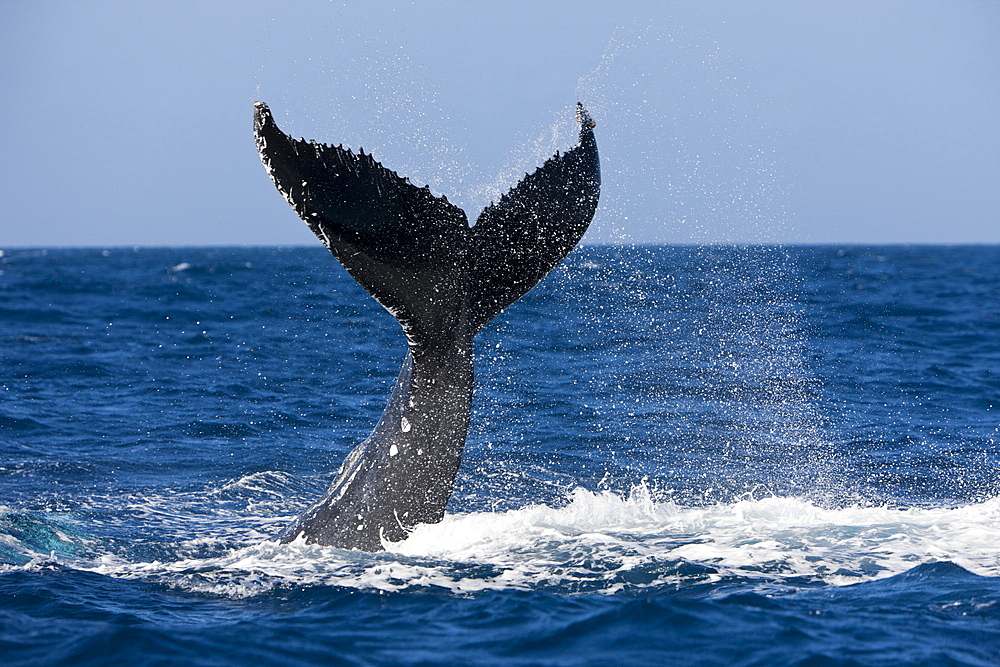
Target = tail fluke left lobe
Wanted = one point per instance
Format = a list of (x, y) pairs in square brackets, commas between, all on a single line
[(405, 246)]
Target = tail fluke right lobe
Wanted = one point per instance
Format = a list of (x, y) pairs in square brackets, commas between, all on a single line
[(519, 239)]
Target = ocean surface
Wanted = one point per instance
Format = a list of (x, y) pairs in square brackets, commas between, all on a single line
[(679, 456)]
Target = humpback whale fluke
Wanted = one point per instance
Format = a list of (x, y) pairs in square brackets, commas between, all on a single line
[(416, 254)]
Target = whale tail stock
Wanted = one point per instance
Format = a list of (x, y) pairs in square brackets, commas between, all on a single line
[(443, 281)]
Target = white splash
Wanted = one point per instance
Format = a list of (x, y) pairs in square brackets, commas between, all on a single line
[(604, 543)]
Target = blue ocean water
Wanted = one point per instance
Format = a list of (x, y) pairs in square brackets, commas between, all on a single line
[(679, 455)]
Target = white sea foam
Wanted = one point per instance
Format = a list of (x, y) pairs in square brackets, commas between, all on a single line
[(604, 543)]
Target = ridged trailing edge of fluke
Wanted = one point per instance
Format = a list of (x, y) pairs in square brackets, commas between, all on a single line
[(443, 281)]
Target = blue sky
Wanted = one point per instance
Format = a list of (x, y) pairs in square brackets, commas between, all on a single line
[(129, 123)]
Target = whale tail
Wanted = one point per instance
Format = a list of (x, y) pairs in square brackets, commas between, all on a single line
[(443, 281), (415, 252)]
